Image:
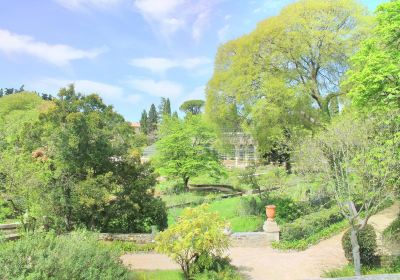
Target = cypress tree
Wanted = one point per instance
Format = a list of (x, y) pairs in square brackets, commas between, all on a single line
[(152, 119), (144, 122)]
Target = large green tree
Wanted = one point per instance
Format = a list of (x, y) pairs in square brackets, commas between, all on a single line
[(280, 80), (85, 167), (185, 149), (374, 78)]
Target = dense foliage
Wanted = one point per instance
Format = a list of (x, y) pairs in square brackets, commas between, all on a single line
[(310, 224), (281, 81), (195, 241), (185, 149), (77, 255), (74, 162), (368, 247)]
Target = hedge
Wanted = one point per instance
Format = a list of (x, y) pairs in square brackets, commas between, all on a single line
[(310, 224)]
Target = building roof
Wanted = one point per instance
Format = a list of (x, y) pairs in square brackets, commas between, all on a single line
[(135, 124)]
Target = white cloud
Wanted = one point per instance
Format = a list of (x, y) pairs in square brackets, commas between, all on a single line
[(169, 16), (58, 54), (163, 88), (162, 13), (109, 93), (200, 24), (87, 4), (161, 65)]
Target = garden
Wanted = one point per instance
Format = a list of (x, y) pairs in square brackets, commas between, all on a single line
[(316, 88)]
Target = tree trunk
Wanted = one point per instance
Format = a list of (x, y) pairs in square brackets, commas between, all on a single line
[(356, 252), (186, 183)]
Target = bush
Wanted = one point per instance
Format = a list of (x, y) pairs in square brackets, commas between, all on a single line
[(303, 244), (47, 256), (218, 269), (5, 211), (310, 224), (367, 241), (196, 237), (226, 274), (392, 232), (287, 209)]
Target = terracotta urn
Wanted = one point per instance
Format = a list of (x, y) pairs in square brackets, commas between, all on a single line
[(270, 211)]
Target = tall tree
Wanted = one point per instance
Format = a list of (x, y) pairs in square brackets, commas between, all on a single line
[(374, 78), (284, 75), (152, 119), (84, 168), (193, 107), (167, 107), (185, 149), (144, 122)]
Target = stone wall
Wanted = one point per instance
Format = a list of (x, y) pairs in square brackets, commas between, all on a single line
[(370, 277), (9, 231), (140, 238), (249, 239)]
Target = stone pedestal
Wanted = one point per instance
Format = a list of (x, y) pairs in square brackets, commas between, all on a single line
[(272, 230)]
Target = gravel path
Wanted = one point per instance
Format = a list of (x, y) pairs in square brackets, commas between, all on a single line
[(269, 264)]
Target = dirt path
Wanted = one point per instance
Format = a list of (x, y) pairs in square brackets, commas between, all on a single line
[(269, 264)]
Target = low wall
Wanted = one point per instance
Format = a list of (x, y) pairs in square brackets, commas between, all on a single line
[(140, 238), (370, 277), (249, 239), (9, 231), (238, 239)]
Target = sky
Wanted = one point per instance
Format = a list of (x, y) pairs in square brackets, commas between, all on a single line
[(130, 52)]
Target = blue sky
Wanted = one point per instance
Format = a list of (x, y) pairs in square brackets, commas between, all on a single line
[(130, 52)]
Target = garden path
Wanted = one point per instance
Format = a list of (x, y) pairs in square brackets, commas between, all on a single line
[(269, 264)]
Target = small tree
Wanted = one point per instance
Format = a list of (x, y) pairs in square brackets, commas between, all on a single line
[(358, 164), (184, 149), (197, 233)]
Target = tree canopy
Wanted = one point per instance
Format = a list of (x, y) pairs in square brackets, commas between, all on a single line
[(75, 162), (185, 149), (193, 107), (374, 78), (283, 79)]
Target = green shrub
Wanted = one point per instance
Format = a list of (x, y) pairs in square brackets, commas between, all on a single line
[(198, 233), (310, 224), (392, 232), (394, 265), (287, 210), (47, 256), (218, 269), (5, 211), (226, 274), (367, 241), (303, 244)]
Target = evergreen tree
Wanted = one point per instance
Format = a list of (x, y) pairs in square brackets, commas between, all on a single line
[(175, 115), (152, 119), (144, 122), (164, 108), (167, 107)]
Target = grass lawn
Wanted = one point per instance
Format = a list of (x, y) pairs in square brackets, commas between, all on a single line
[(348, 271), (230, 210), (158, 275), (188, 197)]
